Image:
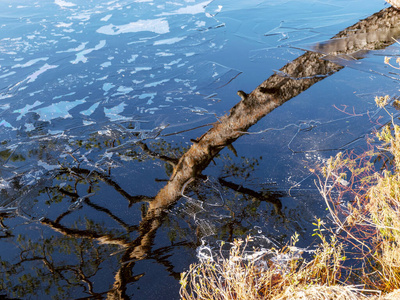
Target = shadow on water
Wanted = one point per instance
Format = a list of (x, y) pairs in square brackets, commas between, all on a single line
[(81, 231)]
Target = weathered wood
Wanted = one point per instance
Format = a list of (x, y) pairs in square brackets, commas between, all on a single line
[(293, 79), (374, 32)]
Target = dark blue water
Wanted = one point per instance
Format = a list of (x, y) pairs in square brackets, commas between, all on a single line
[(85, 84)]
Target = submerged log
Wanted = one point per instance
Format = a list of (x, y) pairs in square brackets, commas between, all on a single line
[(374, 32), (294, 78)]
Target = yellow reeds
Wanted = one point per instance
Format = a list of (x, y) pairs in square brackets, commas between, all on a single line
[(364, 204)]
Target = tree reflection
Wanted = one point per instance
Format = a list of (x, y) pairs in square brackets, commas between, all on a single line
[(71, 262), (60, 264), (98, 244)]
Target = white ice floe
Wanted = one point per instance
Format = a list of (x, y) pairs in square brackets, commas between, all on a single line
[(4, 123), (138, 69), (5, 96), (30, 63), (46, 166), (80, 57), (63, 24), (200, 23), (64, 95), (189, 10), (5, 106), (113, 112), (87, 123), (57, 110), (76, 49), (27, 108), (174, 62), (153, 84), (7, 74), (107, 86), (148, 95), (90, 110), (81, 17), (169, 41), (106, 18), (105, 64), (124, 89), (133, 58), (35, 75), (164, 54), (64, 4), (29, 127), (159, 26)]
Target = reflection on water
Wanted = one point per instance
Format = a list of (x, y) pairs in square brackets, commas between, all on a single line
[(118, 157), (105, 231)]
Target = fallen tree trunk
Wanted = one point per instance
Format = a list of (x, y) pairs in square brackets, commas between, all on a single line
[(294, 78), (374, 32)]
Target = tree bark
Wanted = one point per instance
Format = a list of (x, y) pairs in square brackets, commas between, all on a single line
[(374, 32)]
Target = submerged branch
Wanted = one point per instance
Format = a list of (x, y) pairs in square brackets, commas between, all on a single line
[(90, 234), (270, 197), (146, 149), (105, 178)]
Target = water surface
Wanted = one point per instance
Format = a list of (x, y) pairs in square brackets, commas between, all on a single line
[(97, 98)]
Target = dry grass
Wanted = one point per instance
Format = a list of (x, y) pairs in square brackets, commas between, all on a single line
[(250, 276), (369, 222), (371, 219), (364, 204)]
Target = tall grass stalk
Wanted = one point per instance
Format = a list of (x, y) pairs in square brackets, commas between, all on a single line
[(238, 277)]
